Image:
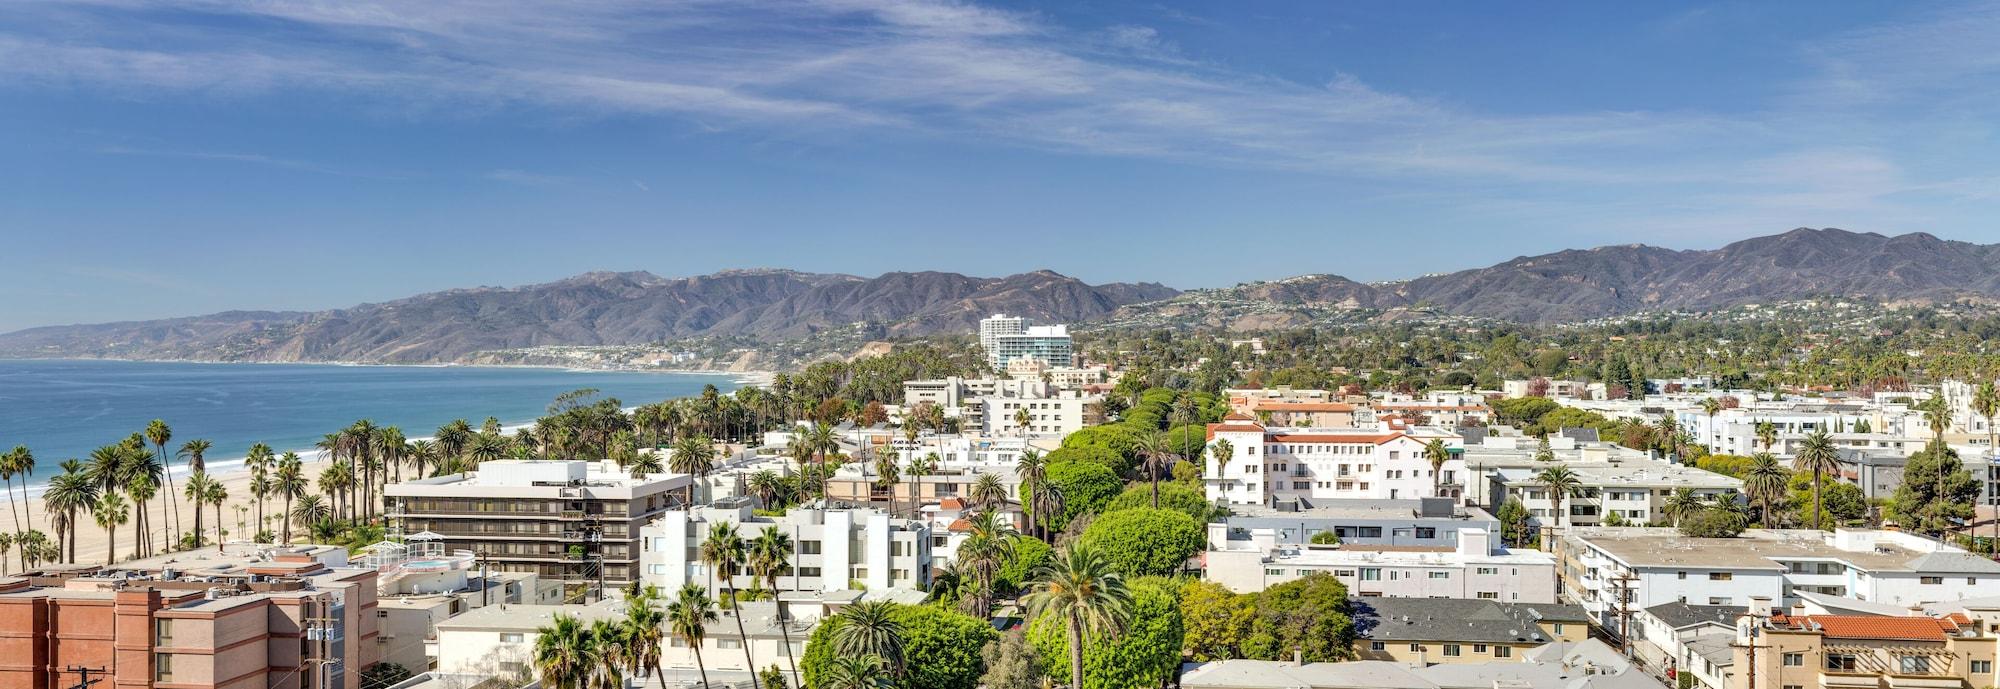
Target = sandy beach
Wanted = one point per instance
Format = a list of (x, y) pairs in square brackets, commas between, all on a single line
[(90, 539)]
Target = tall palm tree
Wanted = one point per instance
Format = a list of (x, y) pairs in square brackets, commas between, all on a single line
[(988, 545), (111, 512), (159, 433), (564, 654), (197, 488), (69, 493), (1156, 455), (1562, 483), (310, 510), (870, 628), (768, 486), (1817, 456), (724, 551), (1436, 452), (888, 475), (1222, 451), (1765, 482), (20, 462), (857, 672), (195, 453), (688, 617), (1083, 592), (1986, 402), (1021, 419), (1767, 434), (919, 467), (988, 493), (824, 441), (646, 633), (142, 490), (693, 455), (1711, 406), (290, 483), (1032, 471), (770, 554), (609, 654), (215, 494)]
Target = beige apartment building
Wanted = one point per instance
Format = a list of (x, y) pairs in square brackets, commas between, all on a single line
[(1862, 652), (1430, 631), (563, 520)]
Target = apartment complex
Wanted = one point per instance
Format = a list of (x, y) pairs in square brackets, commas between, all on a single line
[(1428, 631), (563, 520), (1048, 415), (1647, 567), (1587, 664), (1635, 491), (242, 617), (1422, 522), (1862, 652), (832, 548), (1268, 465), (1006, 338), (1478, 568)]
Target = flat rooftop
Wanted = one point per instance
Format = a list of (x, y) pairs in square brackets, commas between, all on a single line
[(514, 617), (1357, 509), (1632, 474), (1404, 557), (1762, 549)]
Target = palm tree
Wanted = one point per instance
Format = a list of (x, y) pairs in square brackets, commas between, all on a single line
[(142, 490), (609, 654), (1222, 451), (564, 654), (1711, 406), (768, 486), (1080, 588), (693, 455), (1682, 504), (688, 617), (988, 493), (1156, 454), (1986, 402), (1438, 454), (196, 452), (197, 487), (20, 462), (987, 545), (1817, 456), (69, 493), (1765, 482), (1021, 419), (888, 475), (309, 511), (770, 554), (215, 495), (645, 633), (1561, 483), (291, 484), (857, 672), (1033, 473), (823, 441), (159, 433), (111, 512), (1767, 434), (915, 471), (723, 552), (870, 628)]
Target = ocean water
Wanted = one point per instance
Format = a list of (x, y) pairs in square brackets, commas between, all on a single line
[(65, 408)]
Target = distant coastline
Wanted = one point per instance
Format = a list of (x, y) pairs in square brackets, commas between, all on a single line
[(748, 377)]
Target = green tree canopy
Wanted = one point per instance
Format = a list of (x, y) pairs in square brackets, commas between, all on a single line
[(1146, 654), (1937, 492), (1028, 555), (1215, 621), (1843, 501), (1712, 523), (1145, 541), (1119, 464), (1085, 487), (1177, 496), (940, 648)]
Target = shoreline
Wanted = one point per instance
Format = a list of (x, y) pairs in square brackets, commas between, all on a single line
[(762, 377)]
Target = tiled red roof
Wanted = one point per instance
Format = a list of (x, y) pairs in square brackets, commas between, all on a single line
[(1276, 405), (1330, 438), (952, 504), (1870, 626)]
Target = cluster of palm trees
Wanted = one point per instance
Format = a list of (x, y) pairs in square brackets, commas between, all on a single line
[(601, 655), (1766, 484)]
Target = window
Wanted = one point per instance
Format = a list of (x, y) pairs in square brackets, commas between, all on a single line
[(1840, 662), (1795, 686), (1371, 574), (1479, 648), (808, 571), (163, 667), (1931, 580), (1451, 651), (163, 632), (1487, 570), (1559, 628), (1795, 660), (728, 643), (1377, 646), (1503, 651), (1680, 575), (808, 547), (1489, 595), (1913, 665), (1721, 576), (1426, 532), (1416, 648), (1440, 575), (1982, 667), (1273, 572), (1718, 600), (510, 637)]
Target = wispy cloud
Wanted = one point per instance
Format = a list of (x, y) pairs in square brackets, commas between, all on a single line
[(527, 179), (245, 158)]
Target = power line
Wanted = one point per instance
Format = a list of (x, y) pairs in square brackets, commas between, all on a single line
[(84, 680)]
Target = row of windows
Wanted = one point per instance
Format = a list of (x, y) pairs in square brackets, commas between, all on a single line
[(1452, 650)]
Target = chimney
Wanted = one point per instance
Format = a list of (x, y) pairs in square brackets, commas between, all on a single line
[(1760, 606), (1299, 656)]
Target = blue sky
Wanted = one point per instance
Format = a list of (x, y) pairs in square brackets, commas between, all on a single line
[(180, 158)]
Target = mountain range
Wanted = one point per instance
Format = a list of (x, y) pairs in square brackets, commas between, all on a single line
[(780, 305)]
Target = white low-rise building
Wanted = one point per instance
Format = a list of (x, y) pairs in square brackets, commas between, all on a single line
[(1052, 415), (1477, 568), (1270, 465), (831, 548), (1652, 566), (1635, 491)]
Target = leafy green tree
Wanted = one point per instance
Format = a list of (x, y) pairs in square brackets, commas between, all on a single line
[(1027, 556), (1523, 411), (1311, 613), (941, 648), (1145, 541), (1214, 620), (1179, 497), (1937, 492), (1712, 523), (1324, 537), (1734, 466), (1514, 520), (1146, 653), (1103, 456), (1011, 663), (382, 675), (1085, 488), (1840, 502)]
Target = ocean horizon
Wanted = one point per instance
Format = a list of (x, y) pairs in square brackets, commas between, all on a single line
[(64, 408)]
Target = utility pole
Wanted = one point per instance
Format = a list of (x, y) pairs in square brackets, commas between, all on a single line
[(1624, 583), (485, 580), (84, 680), (319, 629)]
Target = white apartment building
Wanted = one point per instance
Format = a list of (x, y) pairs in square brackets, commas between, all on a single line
[(1634, 490), (1272, 465), (1476, 568), (1652, 566), (831, 548), (1053, 415), (954, 394), (499, 641), (1006, 338)]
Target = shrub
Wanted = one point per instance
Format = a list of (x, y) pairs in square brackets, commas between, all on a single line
[(1145, 541)]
